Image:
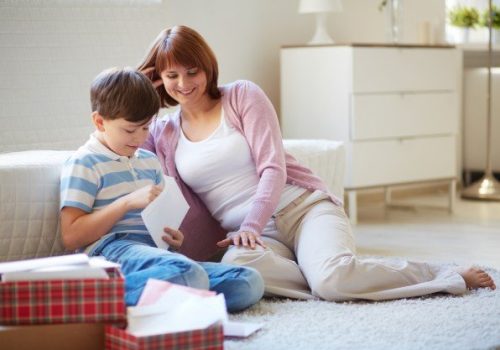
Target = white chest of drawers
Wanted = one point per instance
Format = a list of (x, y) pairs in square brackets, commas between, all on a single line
[(396, 108)]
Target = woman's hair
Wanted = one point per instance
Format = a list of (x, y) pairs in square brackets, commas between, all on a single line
[(181, 45), (124, 93)]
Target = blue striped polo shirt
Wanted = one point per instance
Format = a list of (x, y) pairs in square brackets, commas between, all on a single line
[(94, 176)]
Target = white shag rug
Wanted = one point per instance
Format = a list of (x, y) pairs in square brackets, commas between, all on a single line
[(440, 321)]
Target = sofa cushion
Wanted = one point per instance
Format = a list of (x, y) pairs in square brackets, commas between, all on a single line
[(29, 194)]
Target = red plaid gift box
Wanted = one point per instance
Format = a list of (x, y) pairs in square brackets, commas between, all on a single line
[(211, 338), (63, 301)]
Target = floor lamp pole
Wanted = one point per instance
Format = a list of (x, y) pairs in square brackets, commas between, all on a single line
[(487, 188)]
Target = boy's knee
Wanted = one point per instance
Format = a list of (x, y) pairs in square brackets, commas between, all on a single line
[(245, 289), (182, 271), (194, 275), (255, 283)]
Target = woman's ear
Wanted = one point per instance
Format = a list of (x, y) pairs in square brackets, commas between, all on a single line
[(98, 121)]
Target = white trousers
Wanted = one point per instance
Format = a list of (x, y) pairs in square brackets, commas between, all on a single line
[(311, 253)]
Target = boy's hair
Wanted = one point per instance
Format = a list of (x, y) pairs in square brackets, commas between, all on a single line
[(184, 46), (124, 93)]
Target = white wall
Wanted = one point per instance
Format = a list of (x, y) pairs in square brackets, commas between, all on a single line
[(475, 119), (51, 49)]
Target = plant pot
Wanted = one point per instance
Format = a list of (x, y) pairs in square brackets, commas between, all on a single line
[(465, 35), (496, 37), (459, 35)]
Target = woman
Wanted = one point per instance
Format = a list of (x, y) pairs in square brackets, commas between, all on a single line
[(224, 147)]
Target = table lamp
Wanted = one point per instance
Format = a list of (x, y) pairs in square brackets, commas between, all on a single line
[(321, 8)]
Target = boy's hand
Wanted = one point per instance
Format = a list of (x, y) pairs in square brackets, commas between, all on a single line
[(246, 239), (140, 198), (150, 72), (173, 237)]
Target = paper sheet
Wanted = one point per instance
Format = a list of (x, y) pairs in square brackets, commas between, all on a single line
[(73, 266), (155, 289), (33, 264), (240, 329), (167, 210), (165, 307), (194, 313), (65, 272)]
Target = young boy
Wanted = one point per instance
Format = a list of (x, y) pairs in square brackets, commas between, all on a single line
[(109, 180)]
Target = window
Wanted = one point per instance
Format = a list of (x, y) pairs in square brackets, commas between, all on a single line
[(462, 35)]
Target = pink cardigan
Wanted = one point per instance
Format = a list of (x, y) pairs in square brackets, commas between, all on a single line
[(247, 109)]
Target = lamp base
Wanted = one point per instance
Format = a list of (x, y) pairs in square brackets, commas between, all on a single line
[(487, 188), (321, 35), (321, 39)]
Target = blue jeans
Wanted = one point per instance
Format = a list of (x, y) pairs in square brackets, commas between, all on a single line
[(140, 260)]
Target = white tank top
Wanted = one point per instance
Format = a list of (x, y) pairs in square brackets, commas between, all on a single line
[(221, 171)]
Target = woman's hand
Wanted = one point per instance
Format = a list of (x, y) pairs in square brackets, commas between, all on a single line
[(246, 239), (173, 238), (150, 72)]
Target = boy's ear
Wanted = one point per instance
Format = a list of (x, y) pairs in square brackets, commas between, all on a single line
[(98, 121)]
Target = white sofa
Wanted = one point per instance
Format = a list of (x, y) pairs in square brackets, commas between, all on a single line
[(29, 194)]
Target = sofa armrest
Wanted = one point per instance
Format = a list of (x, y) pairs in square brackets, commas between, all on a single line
[(326, 159), (29, 204)]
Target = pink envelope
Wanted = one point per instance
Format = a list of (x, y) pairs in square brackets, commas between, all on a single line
[(155, 288)]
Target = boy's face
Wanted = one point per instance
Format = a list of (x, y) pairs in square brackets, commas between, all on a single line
[(121, 136)]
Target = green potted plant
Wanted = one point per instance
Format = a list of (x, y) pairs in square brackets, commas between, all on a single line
[(495, 23), (495, 19), (464, 18)]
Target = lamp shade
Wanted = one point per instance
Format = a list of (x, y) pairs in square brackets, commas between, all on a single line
[(318, 6)]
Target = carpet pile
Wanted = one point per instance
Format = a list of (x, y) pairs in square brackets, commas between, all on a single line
[(439, 321)]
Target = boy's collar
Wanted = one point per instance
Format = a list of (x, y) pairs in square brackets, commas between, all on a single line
[(96, 146)]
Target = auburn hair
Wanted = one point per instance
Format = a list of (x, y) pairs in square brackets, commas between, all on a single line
[(181, 45)]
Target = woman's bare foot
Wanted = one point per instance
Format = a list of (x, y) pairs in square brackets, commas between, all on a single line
[(476, 278)]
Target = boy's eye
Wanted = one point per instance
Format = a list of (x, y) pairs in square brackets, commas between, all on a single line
[(129, 131), (145, 127)]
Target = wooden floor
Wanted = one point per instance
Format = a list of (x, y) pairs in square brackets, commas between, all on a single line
[(426, 231)]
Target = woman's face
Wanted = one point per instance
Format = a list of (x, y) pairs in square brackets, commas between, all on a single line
[(186, 85)]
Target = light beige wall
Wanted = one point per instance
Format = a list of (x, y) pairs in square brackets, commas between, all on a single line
[(51, 49), (361, 21), (247, 34)]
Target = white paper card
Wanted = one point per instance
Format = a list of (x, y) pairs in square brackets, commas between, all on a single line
[(240, 329), (100, 261), (67, 267), (65, 272), (33, 264), (167, 210), (194, 313)]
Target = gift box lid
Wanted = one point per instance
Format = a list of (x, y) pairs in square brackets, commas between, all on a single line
[(63, 301)]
